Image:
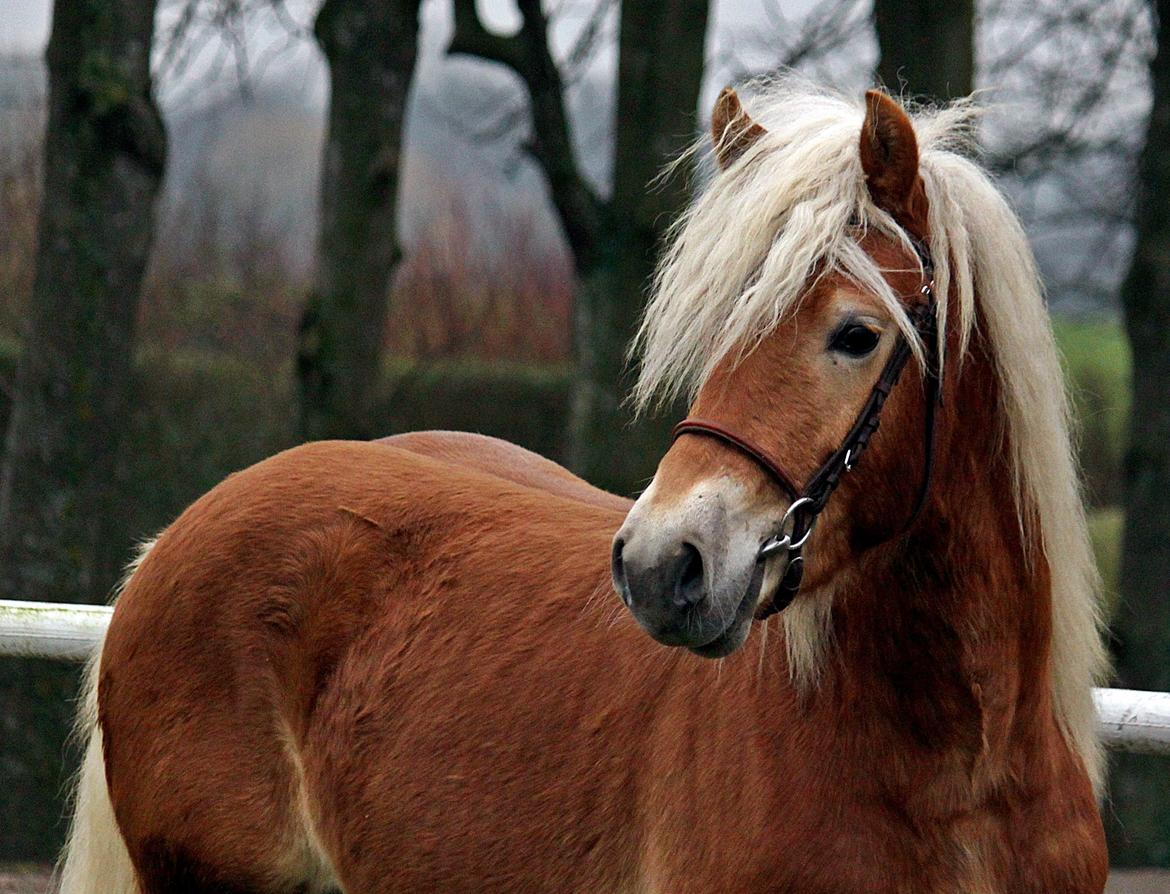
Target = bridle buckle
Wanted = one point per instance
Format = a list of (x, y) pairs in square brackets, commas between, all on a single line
[(782, 541)]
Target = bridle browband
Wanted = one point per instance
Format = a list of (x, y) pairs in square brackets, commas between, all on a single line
[(808, 502)]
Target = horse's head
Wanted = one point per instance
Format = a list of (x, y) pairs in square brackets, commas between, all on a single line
[(776, 408)]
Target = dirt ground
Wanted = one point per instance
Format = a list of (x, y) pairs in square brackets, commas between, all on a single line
[(24, 880), (1139, 882), (36, 880)]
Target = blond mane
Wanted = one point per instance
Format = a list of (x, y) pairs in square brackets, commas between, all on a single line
[(741, 257)]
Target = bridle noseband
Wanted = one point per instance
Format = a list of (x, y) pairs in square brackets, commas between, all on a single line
[(808, 502)]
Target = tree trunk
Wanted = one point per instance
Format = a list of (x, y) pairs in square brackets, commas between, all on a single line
[(371, 48), (104, 154), (660, 70), (1139, 821), (927, 47), (614, 244)]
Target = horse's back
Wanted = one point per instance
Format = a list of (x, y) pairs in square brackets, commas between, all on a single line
[(505, 460), (338, 602)]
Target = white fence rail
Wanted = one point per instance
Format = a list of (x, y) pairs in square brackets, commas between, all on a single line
[(1129, 720), (51, 630)]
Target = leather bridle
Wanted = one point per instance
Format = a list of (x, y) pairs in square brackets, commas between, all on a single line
[(808, 502)]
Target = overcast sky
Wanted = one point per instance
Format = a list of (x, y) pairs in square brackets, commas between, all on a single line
[(24, 26)]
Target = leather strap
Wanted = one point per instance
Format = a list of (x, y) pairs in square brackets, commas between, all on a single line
[(706, 427), (821, 486)]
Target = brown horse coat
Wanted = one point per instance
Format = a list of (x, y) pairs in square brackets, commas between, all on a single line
[(412, 698)]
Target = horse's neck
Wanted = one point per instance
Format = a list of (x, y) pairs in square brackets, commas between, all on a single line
[(943, 637), (952, 635)]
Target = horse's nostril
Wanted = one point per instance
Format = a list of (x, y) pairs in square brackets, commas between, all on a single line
[(660, 583), (688, 587), (617, 566)]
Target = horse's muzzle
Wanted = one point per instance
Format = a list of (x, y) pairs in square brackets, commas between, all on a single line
[(664, 588)]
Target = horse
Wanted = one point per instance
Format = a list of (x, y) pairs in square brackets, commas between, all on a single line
[(812, 656)]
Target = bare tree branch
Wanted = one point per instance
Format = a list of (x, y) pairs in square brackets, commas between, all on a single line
[(793, 43), (527, 53), (189, 27), (581, 54), (471, 38), (1068, 132)]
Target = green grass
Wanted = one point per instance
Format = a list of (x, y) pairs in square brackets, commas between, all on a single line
[(1105, 529), (1096, 359)]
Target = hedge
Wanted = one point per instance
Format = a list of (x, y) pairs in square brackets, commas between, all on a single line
[(199, 417)]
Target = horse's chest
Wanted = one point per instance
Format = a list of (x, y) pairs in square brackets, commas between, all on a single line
[(882, 859), (844, 852)]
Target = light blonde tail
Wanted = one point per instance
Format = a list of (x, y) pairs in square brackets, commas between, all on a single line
[(95, 859)]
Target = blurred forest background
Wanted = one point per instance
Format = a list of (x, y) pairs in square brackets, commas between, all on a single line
[(227, 226)]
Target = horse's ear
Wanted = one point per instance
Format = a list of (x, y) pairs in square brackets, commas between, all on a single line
[(732, 129), (889, 154)]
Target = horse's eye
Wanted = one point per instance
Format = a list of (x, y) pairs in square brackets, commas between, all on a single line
[(855, 340)]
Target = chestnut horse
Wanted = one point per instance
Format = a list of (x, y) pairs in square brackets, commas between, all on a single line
[(400, 666)]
